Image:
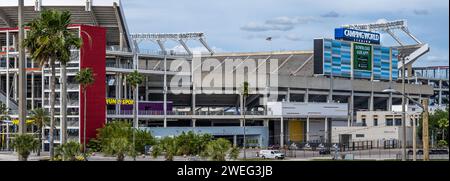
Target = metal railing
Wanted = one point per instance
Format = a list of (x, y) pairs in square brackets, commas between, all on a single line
[(152, 112)]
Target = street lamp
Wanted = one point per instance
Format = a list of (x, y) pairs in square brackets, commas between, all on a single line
[(425, 110)]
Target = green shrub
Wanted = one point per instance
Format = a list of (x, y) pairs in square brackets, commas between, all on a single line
[(24, 144)]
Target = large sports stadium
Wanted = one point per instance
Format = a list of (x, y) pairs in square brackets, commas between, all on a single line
[(296, 96)]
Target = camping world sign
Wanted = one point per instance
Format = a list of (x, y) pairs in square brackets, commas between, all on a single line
[(356, 36)]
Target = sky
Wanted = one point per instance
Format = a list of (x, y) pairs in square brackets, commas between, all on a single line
[(244, 25)]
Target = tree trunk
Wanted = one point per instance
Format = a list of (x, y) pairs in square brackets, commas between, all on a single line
[(42, 138), (84, 121), (52, 107), (63, 103), (40, 141), (120, 157), (135, 120), (23, 157)]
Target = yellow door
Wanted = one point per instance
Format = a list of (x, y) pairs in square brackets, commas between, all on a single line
[(296, 128)]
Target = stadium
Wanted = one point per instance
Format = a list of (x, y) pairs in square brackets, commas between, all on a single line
[(298, 96)]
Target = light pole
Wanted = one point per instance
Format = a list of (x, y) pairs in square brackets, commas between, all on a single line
[(425, 123)]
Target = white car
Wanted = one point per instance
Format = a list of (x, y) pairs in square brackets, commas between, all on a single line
[(274, 154)]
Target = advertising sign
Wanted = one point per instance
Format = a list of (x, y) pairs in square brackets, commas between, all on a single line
[(362, 57), (356, 36)]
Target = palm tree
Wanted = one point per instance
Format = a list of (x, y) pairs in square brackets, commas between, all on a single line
[(115, 139), (85, 77), (168, 146), (41, 119), (134, 79), (217, 149), (244, 98), (443, 124), (24, 145), (48, 41)]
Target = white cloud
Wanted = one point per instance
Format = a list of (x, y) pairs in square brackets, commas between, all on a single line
[(293, 37), (331, 14), (252, 26)]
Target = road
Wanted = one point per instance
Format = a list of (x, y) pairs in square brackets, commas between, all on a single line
[(298, 155)]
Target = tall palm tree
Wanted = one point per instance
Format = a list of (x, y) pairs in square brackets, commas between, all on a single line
[(22, 71), (134, 79), (41, 119), (85, 77), (48, 41), (244, 98)]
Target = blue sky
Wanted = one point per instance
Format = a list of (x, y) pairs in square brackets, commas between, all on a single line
[(243, 25)]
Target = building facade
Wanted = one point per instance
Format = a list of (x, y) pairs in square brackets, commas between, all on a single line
[(180, 94)]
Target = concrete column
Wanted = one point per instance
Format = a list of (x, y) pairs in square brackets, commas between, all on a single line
[(306, 99), (326, 130), (307, 128), (440, 93), (119, 90), (389, 104), (7, 70), (266, 123), (260, 141), (234, 140), (288, 95), (241, 122), (121, 44), (371, 100), (165, 91), (281, 133), (32, 88), (352, 107), (15, 85), (146, 88), (194, 122), (241, 105)]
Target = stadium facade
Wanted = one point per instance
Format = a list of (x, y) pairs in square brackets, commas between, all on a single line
[(294, 96)]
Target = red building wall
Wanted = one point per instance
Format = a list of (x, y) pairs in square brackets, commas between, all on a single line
[(93, 55)]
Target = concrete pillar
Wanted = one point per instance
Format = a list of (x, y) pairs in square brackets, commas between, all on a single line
[(440, 93), (266, 123), (352, 107), (260, 141), (326, 130), (194, 122), (119, 90), (389, 102), (241, 122), (7, 69), (146, 88), (371, 99), (234, 140), (165, 91), (307, 128), (288, 95), (281, 133), (306, 99)]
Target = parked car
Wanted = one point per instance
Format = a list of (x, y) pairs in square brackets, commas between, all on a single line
[(274, 154)]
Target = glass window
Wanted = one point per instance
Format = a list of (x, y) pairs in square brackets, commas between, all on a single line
[(375, 121), (389, 122), (398, 122), (360, 135)]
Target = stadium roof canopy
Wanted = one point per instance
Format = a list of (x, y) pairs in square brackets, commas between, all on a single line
[(104, 13)]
